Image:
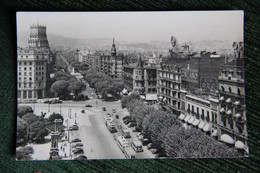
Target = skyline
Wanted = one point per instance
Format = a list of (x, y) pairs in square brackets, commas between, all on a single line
[(139, 26)]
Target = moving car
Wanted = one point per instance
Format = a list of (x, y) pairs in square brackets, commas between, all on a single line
[(74, 127), (117, 116), (83, 111), (104, 109), (88, 105), (113, 110), (76, 140), (160, 155)]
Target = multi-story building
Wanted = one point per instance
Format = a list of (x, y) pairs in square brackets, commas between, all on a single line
[(31, 68), (38, 37), (32, 65), (200, 111), (169, 85), (85, 57), (112, 64), (141, 79), (232, 122)]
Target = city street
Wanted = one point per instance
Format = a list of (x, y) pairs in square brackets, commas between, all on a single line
[(97, 140)]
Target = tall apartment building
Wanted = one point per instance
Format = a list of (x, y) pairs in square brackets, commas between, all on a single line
[(169, 85), (112, 64), (232, 122), (31, 69), (141, 79), (32, 64)]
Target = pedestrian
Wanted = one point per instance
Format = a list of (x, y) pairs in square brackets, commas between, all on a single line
[(65, 155)]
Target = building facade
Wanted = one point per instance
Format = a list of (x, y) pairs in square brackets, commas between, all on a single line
[(112, 64), (169, 85), (38, 37), (141, 79), (32, 65), (232, 124), (31, 68)]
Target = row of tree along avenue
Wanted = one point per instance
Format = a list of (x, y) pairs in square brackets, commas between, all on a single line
[(32, 128), (167, 133), (64, 86), (104, 84)]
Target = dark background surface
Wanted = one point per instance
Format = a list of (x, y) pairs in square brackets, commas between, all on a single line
[(8, 88)]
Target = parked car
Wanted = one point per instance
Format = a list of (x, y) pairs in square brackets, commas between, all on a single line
[(88, 105), (150, 146), (117, 116), (81, 157), (119, 126), (159, 155), (77, 145), (83, 111), (145, 142), (137, 129), (78, 151), (126, 117), (141, 138), (76, 140), (126, 133), (131, 124), (113, 110), (104, 109), (137, 146), (154, 151), (74, 127)]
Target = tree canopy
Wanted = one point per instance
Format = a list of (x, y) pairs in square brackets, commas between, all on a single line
[(22, 110)]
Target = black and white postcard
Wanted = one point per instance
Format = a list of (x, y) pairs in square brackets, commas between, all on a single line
[(130, 85)]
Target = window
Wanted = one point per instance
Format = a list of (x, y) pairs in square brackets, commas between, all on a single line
[(20, 63), (24, 63), (30, 63), (222, 88), (230, 90), (30, 78), (30, 68), (30, 73), (25, 74), (20, 73), (24, 68), (24, 94), (238, 91)]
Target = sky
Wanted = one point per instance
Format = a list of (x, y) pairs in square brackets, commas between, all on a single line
[(139, 26)]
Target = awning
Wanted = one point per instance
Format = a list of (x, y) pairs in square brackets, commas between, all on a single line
[(191, 120), (206, 127), (227, 139), (151, 97), (160, 97), (239, 145), (181, 117), (222, 110), (196, 122), (228, 100), (187, 118), (229, 112), (214, 133), (164, 99), (221, 98), (237, 103), (201, 125), (238, 115)]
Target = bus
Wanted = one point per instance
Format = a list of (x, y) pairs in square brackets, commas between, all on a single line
[(109, 122), (125, 147)]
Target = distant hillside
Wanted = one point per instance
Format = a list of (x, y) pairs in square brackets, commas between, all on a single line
[(57, 41)]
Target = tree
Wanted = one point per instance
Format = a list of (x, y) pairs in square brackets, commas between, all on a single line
[(36, 131), (24, 153), (30, 117), (61, 88), (55, 116), (22, 110), (77, 87), (21, 136)]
